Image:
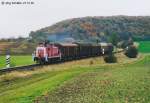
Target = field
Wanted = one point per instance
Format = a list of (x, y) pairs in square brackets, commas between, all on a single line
[(84, 81), (144, 46), (16, 61)]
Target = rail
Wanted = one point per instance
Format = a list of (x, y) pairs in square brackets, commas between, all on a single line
[(27, 67)]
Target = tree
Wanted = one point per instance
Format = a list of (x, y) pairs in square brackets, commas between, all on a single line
[(114, 38), (110, 58)]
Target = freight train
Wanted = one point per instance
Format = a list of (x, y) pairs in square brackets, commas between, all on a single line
[(53, 52)]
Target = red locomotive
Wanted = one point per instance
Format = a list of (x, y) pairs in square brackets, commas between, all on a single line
[(46, 53)]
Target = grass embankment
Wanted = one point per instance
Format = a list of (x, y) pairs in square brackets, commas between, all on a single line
[(144, 46), (16, 61), (83, 81), (110, 84)]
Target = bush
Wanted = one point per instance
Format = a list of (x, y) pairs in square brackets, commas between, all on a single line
[(110, 58), (131, 51), (91, 62)]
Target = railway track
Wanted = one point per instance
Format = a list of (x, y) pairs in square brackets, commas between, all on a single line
[(30, 67), (19, 68)]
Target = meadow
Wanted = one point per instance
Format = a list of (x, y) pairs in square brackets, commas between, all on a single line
[(83, 81), (16, 61), (144, 46)]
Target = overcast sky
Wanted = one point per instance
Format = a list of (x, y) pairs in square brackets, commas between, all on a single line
[(19, 20)]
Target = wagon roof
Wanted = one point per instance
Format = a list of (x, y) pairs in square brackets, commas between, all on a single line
[(83, 43), (105, 44), (67, 44), (87, 44)]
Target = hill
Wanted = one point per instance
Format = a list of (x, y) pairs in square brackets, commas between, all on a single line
[(87, 29), (96, 28)]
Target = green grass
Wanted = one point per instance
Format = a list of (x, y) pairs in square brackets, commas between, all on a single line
[(144, 46), (16, 61), (25, 90), (116, 84), (81, 82)]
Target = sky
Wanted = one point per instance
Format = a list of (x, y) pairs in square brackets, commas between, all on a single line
[(19, 19)]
